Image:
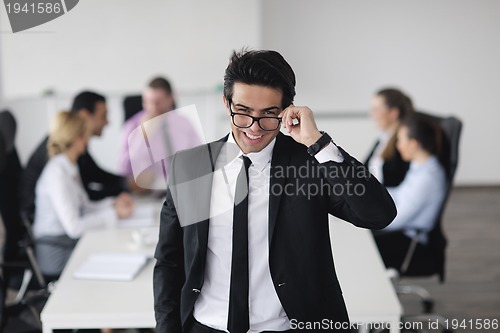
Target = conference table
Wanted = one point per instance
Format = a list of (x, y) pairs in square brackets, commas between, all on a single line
[(368, 292)]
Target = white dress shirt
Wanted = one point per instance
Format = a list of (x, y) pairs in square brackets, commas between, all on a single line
[(376, 163), (63, 206), (212, 305), (418, 198)]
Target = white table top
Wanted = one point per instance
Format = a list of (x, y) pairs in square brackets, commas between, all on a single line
[(102, 304), (368, 293)]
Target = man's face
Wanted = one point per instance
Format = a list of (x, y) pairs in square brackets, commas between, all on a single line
[(99, 119), (156, 102), (256, 101)]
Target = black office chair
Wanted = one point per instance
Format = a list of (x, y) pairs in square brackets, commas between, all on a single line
[(19, 317), (131, 105), (432, 261), (18, 261), (10, 175)]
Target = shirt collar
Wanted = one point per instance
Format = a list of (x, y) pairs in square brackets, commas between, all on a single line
[(384, 136), (259, 159), (70, 167), (430, 161)]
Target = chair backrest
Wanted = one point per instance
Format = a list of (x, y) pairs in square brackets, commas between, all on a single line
[(451, 128), (18, 239), (131, 105), (10, 176)]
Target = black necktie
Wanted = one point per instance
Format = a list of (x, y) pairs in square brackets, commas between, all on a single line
[(238, 318)]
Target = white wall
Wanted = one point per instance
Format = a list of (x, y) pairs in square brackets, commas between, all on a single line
[(115, 47), (445, 54), (118, 45)]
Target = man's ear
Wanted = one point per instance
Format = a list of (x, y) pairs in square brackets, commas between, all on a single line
[(171, 101), (84, 113)]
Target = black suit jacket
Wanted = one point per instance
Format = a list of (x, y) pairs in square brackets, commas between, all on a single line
[(300, 256), (97, 182), (394, 169)]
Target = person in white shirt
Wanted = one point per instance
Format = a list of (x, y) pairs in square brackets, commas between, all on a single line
[(63, 208), (420, 195), (389, 107)]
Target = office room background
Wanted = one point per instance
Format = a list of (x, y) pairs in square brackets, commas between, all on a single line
[(444, 54)]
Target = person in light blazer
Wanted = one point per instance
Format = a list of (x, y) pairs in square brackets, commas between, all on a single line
[(261, 261)]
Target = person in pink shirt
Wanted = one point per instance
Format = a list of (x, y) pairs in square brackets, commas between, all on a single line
[(151, 136)]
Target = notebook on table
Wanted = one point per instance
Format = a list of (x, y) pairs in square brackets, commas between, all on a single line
[(111, 266)]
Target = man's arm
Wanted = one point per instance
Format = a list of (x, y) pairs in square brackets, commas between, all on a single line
[(360, 199), (97, 182), (168, 277), (356, 196)]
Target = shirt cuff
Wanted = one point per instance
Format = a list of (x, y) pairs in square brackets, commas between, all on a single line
[(330, 153), (111, 218)]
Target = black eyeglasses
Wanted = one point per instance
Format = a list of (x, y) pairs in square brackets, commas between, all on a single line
[(242, 120)]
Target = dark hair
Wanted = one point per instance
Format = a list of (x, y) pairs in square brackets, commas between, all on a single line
[(425, 132), (86, 100), (163, 84), (265, 68), (395, 98)]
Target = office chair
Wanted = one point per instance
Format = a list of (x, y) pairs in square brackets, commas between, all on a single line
[(18, 264), (19, 317), (10, 175), (132, 104), (432, 261)]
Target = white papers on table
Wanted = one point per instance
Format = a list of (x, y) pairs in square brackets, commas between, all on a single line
[(111, 266), (144, 215)]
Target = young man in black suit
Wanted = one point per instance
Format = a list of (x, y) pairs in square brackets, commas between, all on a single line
[(244, 240), (97, 182)]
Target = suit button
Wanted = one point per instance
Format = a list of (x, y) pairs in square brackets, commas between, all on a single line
[(196, 290)]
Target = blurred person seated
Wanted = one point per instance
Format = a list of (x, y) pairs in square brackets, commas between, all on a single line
[(388, 107), (420, 195), (97, 182), (63, 208), (151, 136), (10, 174)]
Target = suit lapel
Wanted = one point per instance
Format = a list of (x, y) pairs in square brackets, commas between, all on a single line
[(279, 162), (204, 193)]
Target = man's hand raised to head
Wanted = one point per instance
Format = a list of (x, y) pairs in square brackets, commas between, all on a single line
[(304, 130)]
